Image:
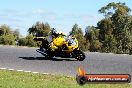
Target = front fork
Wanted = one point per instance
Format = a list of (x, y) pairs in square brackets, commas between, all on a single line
[(74, 52)]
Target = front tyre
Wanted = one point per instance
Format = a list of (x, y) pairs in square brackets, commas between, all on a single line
[(79, 55)]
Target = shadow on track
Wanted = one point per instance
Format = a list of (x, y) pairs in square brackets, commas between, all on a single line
[(42, 58)]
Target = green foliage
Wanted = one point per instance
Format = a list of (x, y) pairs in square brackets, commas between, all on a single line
[(22, 42), (39, 29), (115, 30), (30, 41), (16, 34), (106, 28), (119, 8), (77, 32), (92, 35), (5, 30), (6, 35), (7, 39), (27, 41), (109, 44), (106, 35)]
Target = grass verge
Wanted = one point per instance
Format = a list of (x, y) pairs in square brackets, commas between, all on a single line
[(13, 79)]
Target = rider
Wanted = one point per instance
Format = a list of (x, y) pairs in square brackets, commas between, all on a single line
[(52, 35)]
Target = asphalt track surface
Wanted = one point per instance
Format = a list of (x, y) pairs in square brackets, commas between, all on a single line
[(28, 59)]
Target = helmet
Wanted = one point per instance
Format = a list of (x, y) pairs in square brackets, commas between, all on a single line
[(62, 33), (54, 31)]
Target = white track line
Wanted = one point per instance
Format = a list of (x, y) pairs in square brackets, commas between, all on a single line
[(19, 70), (27, 71), (35, 72), (3, 68), (45, 73), (11, 69)]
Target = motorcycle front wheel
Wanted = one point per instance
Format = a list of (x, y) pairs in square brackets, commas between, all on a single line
[(79, 55)]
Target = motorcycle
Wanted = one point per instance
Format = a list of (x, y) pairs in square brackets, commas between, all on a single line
[(61, 46)]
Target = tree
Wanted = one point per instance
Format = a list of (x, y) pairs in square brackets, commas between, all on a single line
[(5, 30), (77, 32), (30, 41), (118, 22), (6, 35), (1, 31), (16, 34), (27, 41), (106, 28), (92, 35), (115, 8), (7, 39), (106, 35), (22, 42), (39, 29)]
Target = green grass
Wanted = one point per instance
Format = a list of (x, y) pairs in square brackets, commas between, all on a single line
[(13, 79)]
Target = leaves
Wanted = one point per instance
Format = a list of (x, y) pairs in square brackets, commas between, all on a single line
[(115, 30), (77, 32), (7, 36), (119, 8), (39, 29), (92, 35)]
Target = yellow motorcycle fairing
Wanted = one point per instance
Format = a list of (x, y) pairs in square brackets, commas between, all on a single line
[(59, 41), (72, 47), (53, 47)]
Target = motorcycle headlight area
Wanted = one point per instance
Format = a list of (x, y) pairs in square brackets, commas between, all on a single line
[(72, 42)]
